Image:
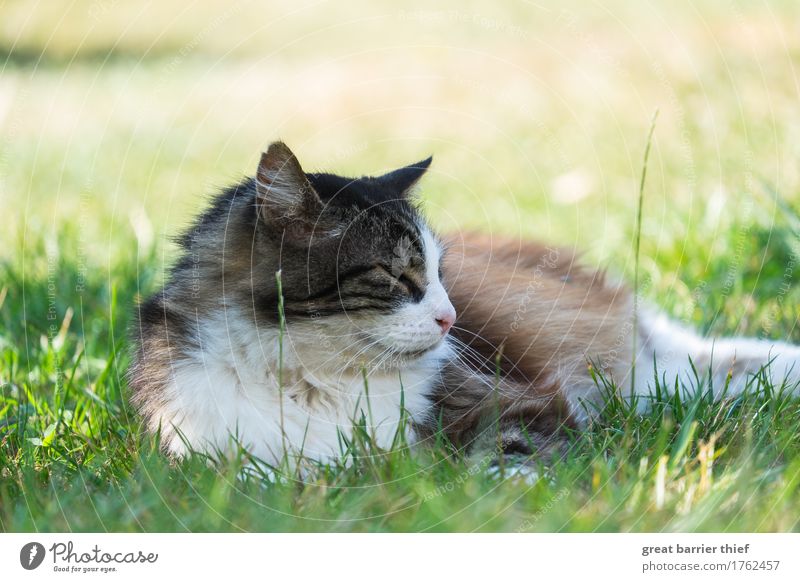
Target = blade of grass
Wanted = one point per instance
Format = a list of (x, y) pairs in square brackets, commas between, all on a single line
[(637, 245)]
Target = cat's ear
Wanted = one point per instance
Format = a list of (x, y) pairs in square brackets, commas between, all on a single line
[(405, 179), (284, 196)]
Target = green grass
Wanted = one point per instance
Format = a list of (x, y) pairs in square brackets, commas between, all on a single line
[(114, 128)]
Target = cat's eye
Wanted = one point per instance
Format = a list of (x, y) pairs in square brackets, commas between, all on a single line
[(413, 289), (407, 282)]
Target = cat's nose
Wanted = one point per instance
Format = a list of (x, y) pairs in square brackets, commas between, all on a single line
[(445, 318)]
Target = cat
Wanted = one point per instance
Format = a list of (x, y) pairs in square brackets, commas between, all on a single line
[(303, 303)]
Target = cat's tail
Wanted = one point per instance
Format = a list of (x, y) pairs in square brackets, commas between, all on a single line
[(727, 365)]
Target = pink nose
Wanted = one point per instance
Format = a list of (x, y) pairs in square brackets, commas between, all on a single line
[(446, 318)]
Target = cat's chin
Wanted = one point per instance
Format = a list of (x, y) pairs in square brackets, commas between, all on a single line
[(415, 354), (418, 353)]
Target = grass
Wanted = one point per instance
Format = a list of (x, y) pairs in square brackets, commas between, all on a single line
[(114, 127)]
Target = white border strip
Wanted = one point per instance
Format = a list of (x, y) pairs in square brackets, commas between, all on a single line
[(448, 557)]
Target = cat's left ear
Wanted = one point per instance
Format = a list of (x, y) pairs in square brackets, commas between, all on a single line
[(284, 196), (404, 180)]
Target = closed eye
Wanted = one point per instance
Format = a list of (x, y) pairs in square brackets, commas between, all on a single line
[(410, 285)]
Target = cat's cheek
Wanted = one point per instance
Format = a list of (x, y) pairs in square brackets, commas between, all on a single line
[(412, 327)]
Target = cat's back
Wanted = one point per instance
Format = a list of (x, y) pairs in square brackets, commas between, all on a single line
[(533, 304)]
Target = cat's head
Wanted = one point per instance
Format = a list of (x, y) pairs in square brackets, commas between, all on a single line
[(360, 270)]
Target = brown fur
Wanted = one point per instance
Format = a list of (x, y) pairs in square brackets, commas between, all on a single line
[(530, 320), (530, 317)]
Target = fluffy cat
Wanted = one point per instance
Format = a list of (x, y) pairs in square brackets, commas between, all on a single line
[(364, 320)]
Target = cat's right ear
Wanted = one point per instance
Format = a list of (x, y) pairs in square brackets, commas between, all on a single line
[(284, 196)]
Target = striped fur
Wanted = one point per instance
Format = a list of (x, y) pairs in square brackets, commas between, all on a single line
[(369, 293)]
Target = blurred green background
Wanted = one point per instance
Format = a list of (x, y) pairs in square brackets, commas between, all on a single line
[(119, 118)]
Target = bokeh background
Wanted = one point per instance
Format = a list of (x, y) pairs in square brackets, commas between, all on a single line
[(119, 118)]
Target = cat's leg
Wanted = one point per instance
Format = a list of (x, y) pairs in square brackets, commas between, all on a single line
[(670, 350), (499, 421)]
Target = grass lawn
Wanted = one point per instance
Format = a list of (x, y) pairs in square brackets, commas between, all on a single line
[(117, 120)]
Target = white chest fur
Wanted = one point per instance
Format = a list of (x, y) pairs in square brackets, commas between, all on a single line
[(233, 389)]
